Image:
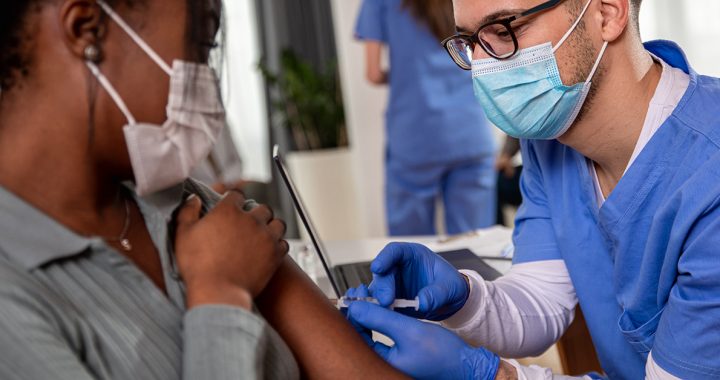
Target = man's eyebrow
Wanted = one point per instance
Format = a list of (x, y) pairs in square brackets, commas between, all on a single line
[(489, 18)]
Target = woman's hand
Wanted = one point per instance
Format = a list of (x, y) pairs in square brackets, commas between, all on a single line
[(230, 255)]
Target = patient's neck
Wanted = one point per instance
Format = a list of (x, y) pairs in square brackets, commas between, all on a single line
[(45, 158)]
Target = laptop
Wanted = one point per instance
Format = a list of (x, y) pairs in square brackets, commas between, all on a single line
[(346, 276)]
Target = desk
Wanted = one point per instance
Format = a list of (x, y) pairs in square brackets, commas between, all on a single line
[(492, 242)]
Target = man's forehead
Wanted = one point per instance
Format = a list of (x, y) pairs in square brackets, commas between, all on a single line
[(470, 14)]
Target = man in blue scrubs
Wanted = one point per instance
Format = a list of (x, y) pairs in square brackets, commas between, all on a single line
[(621, 204)]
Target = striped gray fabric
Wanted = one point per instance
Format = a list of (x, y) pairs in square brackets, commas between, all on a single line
[(74, 308)]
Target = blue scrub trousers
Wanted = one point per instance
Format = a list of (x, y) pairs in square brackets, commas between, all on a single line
[(467, 190)]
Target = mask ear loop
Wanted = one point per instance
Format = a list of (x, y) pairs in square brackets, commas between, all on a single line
[(572, 29), (597, 62), (111, 91), (139, 41)]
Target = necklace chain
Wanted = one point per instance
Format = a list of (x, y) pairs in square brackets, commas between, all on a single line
[(122, 239)]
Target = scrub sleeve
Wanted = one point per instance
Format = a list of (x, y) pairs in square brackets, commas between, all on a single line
[(371, 21)]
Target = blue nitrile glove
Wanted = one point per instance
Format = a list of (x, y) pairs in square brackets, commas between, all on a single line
[(423, 350), (359, 292), (405, 270)]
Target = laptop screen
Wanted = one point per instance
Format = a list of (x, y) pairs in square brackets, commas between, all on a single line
[(305, 218)]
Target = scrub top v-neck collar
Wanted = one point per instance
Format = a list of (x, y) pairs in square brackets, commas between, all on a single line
[(670, 90), (639, 178)]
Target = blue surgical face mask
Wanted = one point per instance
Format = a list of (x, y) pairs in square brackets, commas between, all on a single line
[(525, 97)]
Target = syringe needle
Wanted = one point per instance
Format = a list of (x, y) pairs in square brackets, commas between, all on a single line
[(345, 302)]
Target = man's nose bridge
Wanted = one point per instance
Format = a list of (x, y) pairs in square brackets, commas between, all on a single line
[(479, 53)]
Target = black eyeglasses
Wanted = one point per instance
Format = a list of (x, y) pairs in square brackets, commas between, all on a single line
[(496, 38)]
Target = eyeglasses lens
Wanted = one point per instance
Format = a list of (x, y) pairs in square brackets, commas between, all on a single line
[(497, 40), (461, 52)]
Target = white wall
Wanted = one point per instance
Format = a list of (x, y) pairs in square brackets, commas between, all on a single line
[(365, 108), (244, 90), (693, 24)]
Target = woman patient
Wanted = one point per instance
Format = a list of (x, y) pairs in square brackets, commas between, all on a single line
[(112, 263)]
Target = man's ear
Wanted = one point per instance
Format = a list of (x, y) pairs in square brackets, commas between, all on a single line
[(83, 25), (615, 18)]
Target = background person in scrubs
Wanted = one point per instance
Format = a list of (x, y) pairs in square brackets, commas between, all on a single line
[(439, 144), (620, 213)]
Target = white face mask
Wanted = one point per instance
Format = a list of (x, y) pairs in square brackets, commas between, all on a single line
[(164, 156)]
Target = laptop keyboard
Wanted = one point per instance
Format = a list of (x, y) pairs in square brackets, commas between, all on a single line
[(352, 275)]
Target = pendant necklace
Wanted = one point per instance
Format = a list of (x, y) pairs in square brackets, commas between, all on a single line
[(123, 239)]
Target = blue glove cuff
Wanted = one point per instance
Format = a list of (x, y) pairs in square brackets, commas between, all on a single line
[(492, 368), (481, 364)]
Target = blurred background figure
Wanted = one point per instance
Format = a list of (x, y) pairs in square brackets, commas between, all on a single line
[(439, 144), (509, 168)]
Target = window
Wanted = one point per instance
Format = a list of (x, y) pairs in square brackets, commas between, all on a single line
[(243, 89)]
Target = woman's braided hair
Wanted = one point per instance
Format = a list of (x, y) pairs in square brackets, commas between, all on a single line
[(13, 58), (16, 34), (16, 37)]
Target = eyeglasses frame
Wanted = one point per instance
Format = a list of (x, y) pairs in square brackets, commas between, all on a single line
[(505, 21)]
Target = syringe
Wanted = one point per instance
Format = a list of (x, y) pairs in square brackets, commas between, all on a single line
[(345, 302)]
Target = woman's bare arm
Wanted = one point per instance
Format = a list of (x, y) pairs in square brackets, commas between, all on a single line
[(373, 65), (325, 345)]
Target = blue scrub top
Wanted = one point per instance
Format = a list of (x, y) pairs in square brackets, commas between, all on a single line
[(432, 115), (646, 265)]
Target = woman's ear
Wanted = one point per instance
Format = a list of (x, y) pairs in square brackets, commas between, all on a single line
[(615, 18), (83, 26)]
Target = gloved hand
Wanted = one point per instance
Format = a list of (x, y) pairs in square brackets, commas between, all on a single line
[(359, 292), (423, 350), (405, 270)]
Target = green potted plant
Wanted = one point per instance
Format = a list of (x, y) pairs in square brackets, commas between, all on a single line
[(310, 102), (311, 105)]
